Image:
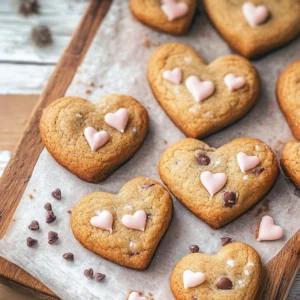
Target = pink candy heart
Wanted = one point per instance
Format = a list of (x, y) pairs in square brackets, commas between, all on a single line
[(268, 231), (191, 279), (234, 83), (96, 139), (104, 220), (137, 221), (174, 10), (136, 296), (174, 75), (117, 120), (255, 15), (213, 182), (247, 162), (199, 89)]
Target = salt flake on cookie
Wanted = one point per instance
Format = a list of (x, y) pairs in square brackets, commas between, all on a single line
[(192, 279), (200, 90), (247, 162), (268, 231), (104, 220), (96, 139), (136, 221), (233, 82), (174, 75), (118, 120), (174, 9), (255, 15)]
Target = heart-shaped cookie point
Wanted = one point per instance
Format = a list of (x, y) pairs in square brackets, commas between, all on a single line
[(268, 231), (118, 120), (255, 15), (96, 139), (136, 296), (126, 247), (216, 279), (234, 83), (213, 182), (174, 9), (247, 162), (201, 103), (192, 279), (200, 90), (216, 191), (136, 221), (174, 75), (69, 129), (104, 220)]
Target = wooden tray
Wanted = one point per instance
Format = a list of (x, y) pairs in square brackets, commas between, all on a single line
[(279, 272)]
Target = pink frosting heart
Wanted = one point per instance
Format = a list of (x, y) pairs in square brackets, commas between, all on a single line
[(96, 139), (104, 220), (174, 10), (255, 15), (234, 83), (137, 221), (191, 279), (247, 162), (174, 75), (213, 182), (199, 89), (118, 120), (136, 296), (268, 231)]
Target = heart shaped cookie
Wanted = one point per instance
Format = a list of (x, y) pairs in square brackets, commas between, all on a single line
[(210, 182), (288, 95), (171, 16), (202, 102), (93, 140), (124, 228), (234, 273), (251, 27)]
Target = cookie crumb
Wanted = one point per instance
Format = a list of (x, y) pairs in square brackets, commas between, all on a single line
[(147, 43), (88, 91), (69, 211), (41, 36), (91, 83), (28, 7), (68, 256), (225, 241), (31, 242), (99, 277), (89, 273), (30, 196), (165, 142), (56, 194)]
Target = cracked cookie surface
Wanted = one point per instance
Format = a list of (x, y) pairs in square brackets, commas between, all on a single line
[(62, 129), (222, 108), (181, 171), (124, 246)]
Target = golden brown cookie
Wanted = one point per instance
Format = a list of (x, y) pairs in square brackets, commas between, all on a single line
[(93, 140), (171, 16), (201, 98), (255, 27), (124, 228), (290, 161), (288, 95), (218, 185), (234, 273)]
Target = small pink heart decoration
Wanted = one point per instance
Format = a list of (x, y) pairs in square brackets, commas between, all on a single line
[(213, 182), (247, 162), (268, 231), (255, 15), (118, 120), (136, 296), (104, 220), (96, 139), (137, 221), (174, 10), (174, 75), (234, 83), (191, 279), (199, 89)]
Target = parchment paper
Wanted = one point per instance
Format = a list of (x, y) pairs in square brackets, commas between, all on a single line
[(116, 62)]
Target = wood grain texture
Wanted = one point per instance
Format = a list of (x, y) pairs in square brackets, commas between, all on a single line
[(20, 167)]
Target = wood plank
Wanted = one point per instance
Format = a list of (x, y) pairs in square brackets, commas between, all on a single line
[(19, 169)]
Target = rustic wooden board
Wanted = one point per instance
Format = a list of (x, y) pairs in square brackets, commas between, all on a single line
[(279, 272)]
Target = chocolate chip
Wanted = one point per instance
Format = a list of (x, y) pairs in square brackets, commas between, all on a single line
[(226, 240), (259, 171), (34, 225), (52, 237), (31, 242), (224, 284), (202, 159), (194, 248), (48, 206), (89, 273), (56, 194), (229, 199), (99, 277), (69, 256), (41, 36), (28, 7), (147, 186), (50, 218)]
